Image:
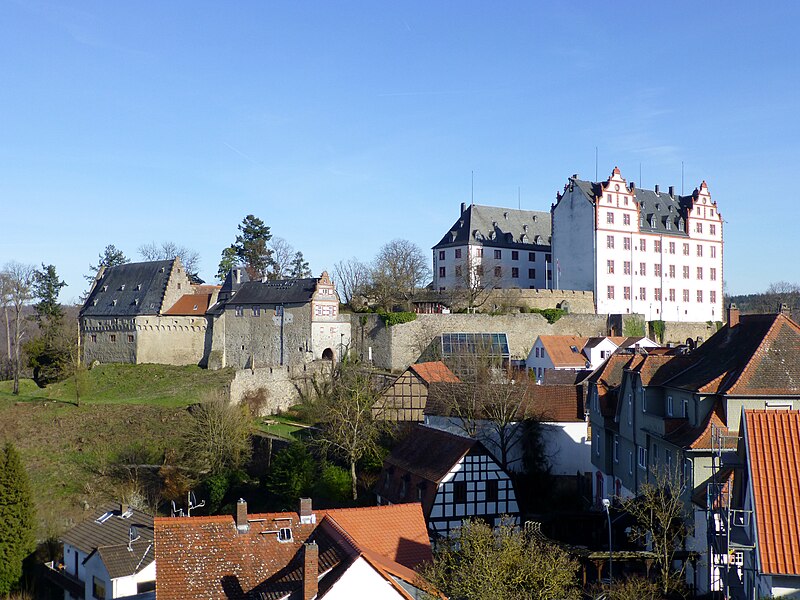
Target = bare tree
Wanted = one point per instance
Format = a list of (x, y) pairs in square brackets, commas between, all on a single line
[(475, 282), (345, 411), (397, 271), (218, 437), (5, 303), (282, 256), (352, 278), (662, 520), (19, 279), (189, 258)]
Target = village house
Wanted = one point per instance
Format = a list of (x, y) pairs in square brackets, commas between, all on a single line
[(494, 247), (653, 412), (405, 399), (576, 353), (558, 411), (109, 555), (333, 554), (453, 477), (654, 253)]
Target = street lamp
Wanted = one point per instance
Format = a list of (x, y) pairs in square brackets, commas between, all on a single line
[(607, 506)]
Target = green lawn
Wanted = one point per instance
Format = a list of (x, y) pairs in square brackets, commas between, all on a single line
[(281, 426), (67, 449), (155, 385)]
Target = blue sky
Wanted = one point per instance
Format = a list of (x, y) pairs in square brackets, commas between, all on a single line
[(346, 124)]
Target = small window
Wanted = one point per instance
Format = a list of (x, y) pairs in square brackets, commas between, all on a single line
[(460, 492), (98, 588), (498, 254), (130, 338), (669, 406), (531, 256), (112, 337), (441, 254), (256, 311), (492, 493), (630, 462), (531, 273), (514, 273), (685, 410), (498, 271), (514, 255), (284, 534), (239, 311), (94, 338), (458, 252), (179, 286), (616, 448), (642, 457)]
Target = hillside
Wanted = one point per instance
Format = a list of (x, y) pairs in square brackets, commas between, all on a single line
[(127, 410)]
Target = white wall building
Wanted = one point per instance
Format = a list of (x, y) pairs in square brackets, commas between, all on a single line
[(640, 251), (494, 247)]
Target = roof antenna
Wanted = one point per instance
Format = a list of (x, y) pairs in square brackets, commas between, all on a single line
[(192, 503), (133, 535), (472, 192), (595, 163), (681, 178)]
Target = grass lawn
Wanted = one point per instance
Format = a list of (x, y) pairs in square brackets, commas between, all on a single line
[(282, 426), (67, 449), (154, 385)]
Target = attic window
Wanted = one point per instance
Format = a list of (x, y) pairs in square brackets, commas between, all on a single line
[(114, 302), (105, 288), (104, 517), (574, 349), (122, 288), (194, 307), (534, 218), (94, 302), (136, 302), (161, 270), (284, 534), (138, 286), (505, 215), (453, 236)]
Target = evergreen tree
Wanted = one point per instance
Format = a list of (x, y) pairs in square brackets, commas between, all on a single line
[(299, 266), (250, 248), (110, 257), (227, 262), (46, 287), (291, 475), (17, 519)]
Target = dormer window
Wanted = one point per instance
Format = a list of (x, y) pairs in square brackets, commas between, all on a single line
[(525, 227), (114, 302), (122, 288), (105, 288), (284, 534), (138, 286)]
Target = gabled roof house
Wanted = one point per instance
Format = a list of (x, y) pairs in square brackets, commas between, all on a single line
[(341, 553)]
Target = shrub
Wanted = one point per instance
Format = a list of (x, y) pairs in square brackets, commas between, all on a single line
[(215, 488), (397, 318), (551, 314), (658, 328), (333, 484), (291, 475), (633, 326)]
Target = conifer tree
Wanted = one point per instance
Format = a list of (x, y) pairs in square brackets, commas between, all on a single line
[(17, 519)]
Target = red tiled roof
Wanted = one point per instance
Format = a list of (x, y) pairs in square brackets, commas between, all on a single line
[(206, 557), (434, 372), (772, 440), (399, 533), (190, 304), (559, 349), (758, 356), (548, 403)]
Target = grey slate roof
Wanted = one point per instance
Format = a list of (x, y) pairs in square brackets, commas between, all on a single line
[(284, 291), (502, 227), (129, 290), (110, 539), (660, 212)]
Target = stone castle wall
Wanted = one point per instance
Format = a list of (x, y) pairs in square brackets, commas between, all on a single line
[(171, 340), (577, 301), (278, 384)]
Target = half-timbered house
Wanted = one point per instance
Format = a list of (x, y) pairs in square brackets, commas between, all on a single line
[(406, 398), (454, 478)]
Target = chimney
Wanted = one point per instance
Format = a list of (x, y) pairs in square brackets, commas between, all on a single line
[(672, 190), (656, 188), (310, 570), (733, 315), (783, 309), (238, 275), (463, 207), (242, 526), (633, 186), (123, 508), (307, 516)]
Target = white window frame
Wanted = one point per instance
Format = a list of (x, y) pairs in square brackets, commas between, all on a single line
[(630, 462), (685, 409), (641, 452), (616, 449), (630, 409), (670, 406)]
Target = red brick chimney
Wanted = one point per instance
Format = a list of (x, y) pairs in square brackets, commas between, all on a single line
[(242, 526), (310, 570), (733, 315), (307, 516)]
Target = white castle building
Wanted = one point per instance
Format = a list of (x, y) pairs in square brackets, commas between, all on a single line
[(640, 251)]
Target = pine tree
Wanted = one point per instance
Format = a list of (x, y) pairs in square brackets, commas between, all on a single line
[(109, 257), (250, 248), (17, 518), (46, 287), (300, 266)]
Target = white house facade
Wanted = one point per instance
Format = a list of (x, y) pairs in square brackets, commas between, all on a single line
[(494, 247), (648, 252)]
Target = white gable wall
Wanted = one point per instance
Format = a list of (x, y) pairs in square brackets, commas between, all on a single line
[(362, 581)]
